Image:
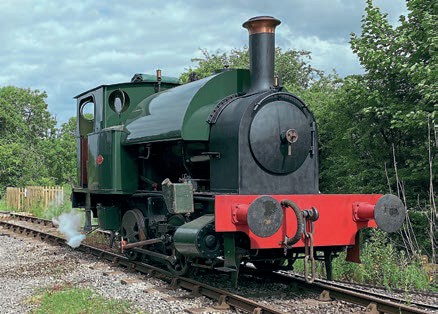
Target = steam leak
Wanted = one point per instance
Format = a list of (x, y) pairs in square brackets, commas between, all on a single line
[(69, 225)]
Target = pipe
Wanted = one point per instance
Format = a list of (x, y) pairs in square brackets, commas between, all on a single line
[(261, 51)]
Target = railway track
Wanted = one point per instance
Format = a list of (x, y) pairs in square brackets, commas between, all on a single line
[(368, 286), (331, 290), (224, 298), (35, 220), (374, 302)]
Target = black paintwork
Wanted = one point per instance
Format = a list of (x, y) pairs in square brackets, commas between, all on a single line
[(261, 56), (268, 143), (238, 171), (248, 135)]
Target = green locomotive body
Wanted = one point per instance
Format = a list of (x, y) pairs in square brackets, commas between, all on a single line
[(215, 172)]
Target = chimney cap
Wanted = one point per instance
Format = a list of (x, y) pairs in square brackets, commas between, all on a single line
[(261, 24)]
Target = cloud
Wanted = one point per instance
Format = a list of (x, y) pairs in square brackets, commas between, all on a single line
[(66, 48)]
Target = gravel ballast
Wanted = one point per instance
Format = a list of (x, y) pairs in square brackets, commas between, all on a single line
[(28, 266)]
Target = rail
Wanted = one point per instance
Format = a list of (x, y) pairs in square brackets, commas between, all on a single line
[(369, 299)]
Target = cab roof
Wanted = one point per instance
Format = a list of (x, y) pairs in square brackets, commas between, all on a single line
[(137, 79)]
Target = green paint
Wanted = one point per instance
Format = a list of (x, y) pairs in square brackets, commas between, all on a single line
[(109, 217), (181, 112), (136, 92), (195, 126), (232, 257), (118, 171), (186, 238), (104, 115)]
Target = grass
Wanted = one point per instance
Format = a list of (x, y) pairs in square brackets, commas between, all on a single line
[(3, 206), (56, 210), (70, 300)]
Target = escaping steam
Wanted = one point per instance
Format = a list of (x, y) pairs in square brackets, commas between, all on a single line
[(69, 225)]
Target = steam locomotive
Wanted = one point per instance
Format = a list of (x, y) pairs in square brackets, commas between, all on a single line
[(217, 172)]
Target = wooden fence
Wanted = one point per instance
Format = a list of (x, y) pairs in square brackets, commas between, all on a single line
[(23, 199)]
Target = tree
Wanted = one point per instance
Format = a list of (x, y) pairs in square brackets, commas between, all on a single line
[(60, 154), (390, 105), (24, 115), (353, 152), (291, 66), (402, 62), (26, 125)]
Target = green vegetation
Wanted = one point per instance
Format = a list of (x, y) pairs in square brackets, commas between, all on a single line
[(52, 211), (32, 150), (75, 300), (291, 65), (382, 265), (381, 116), (97, 239), (377, 129), (3, 206), (38, 209)]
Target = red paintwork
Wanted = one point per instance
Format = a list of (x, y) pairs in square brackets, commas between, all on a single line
[(363, 211), (335, 226), (239, 214), (99, 159)]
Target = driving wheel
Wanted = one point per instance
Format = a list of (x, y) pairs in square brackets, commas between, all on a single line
[(133, 230)]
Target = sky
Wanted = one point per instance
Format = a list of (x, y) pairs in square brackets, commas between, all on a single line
[(67, 47)]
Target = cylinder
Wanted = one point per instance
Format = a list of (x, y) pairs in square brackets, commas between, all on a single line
[(261, 51), (198, 238)]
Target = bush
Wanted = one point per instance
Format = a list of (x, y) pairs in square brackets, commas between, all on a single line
[(383, 265)]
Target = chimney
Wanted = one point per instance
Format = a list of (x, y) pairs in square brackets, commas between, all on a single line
[(261, 51)]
